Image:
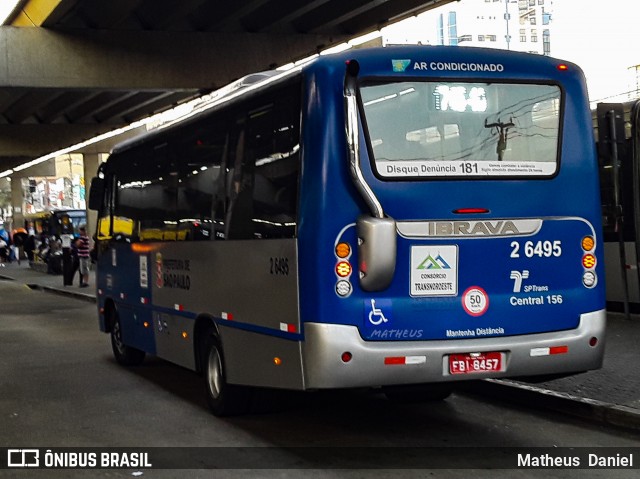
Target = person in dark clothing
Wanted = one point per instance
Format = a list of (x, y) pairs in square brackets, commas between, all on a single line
[(29, 247), (75, 264), (5, 242), (84, 248), (19, 237)]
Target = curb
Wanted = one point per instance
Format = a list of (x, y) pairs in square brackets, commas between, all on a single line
[(63, 292), (49, 289), (532, 396)]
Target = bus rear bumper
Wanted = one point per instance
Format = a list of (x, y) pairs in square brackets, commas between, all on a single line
[(380, 363)]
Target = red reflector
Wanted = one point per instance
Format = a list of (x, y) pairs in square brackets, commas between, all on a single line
[(593, 341), (467, 211), (394, 360), (559, 350), (346, 357)]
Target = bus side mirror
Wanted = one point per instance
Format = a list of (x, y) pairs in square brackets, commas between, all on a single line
[(376, 252), (96, 193)]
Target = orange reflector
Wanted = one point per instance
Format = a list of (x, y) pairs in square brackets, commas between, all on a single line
[(563, 67), (277, 361), (588, 243), (343, 269), (588, 261), (185, 335), (146, 324), (343, 250)]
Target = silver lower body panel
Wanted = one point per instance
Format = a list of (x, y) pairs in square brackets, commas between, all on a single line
[(522, 355)]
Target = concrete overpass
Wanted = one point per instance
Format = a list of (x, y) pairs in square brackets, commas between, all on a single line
[(72, 69)]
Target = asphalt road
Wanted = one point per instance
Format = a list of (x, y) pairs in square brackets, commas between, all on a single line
[(60, 387)]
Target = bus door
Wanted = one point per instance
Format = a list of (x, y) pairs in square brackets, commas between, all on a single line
[(616, 163)]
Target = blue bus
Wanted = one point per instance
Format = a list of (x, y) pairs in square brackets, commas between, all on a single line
[(400, 218)]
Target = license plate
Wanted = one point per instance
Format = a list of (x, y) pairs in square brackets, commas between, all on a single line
[(475, 363)]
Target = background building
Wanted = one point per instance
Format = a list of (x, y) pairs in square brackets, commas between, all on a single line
[(600, 38), (522, 25)]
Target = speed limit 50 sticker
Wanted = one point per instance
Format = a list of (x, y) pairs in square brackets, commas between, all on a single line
[(475, 301)]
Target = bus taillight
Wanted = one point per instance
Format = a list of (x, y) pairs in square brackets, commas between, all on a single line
[(588, 243), (588, 261), (343, 288), (589, 279), (343, 269), (343, 250)]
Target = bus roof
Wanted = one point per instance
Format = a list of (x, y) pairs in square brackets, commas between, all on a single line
[(392, 60)]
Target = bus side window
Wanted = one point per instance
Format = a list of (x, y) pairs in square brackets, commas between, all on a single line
[(146, 194), (239, 220), (200, 173), (273, 151)]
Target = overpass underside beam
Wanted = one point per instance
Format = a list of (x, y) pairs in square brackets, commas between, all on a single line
[(40, 58)]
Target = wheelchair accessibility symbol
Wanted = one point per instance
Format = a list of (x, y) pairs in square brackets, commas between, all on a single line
[(380, 314)]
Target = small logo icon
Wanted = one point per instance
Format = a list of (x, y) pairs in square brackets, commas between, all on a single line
[(159, 276), (517, 278), (400, 65), (23, 458), (434, 263)]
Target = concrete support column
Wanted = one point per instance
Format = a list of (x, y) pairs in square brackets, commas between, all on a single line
[(91, 162), (17, 201)]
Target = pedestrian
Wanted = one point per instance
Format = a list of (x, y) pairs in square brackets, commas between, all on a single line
[(30, 247), (19, 237), (75, 262), (4, 244), (84, 259)]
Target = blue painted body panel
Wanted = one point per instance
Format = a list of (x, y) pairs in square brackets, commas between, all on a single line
[(330, 202)]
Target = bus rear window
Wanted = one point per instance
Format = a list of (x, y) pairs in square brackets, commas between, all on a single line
[(454, 129)]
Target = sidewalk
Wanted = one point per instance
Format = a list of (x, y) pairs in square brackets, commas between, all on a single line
[(50, 282), (610, 395)]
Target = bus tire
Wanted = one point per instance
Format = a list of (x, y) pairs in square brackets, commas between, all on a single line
[(417, 393), (224, 399), (125, 355)]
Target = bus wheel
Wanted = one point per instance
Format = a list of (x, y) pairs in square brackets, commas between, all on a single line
[(224, 399), (125, 355), (418, 393)]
